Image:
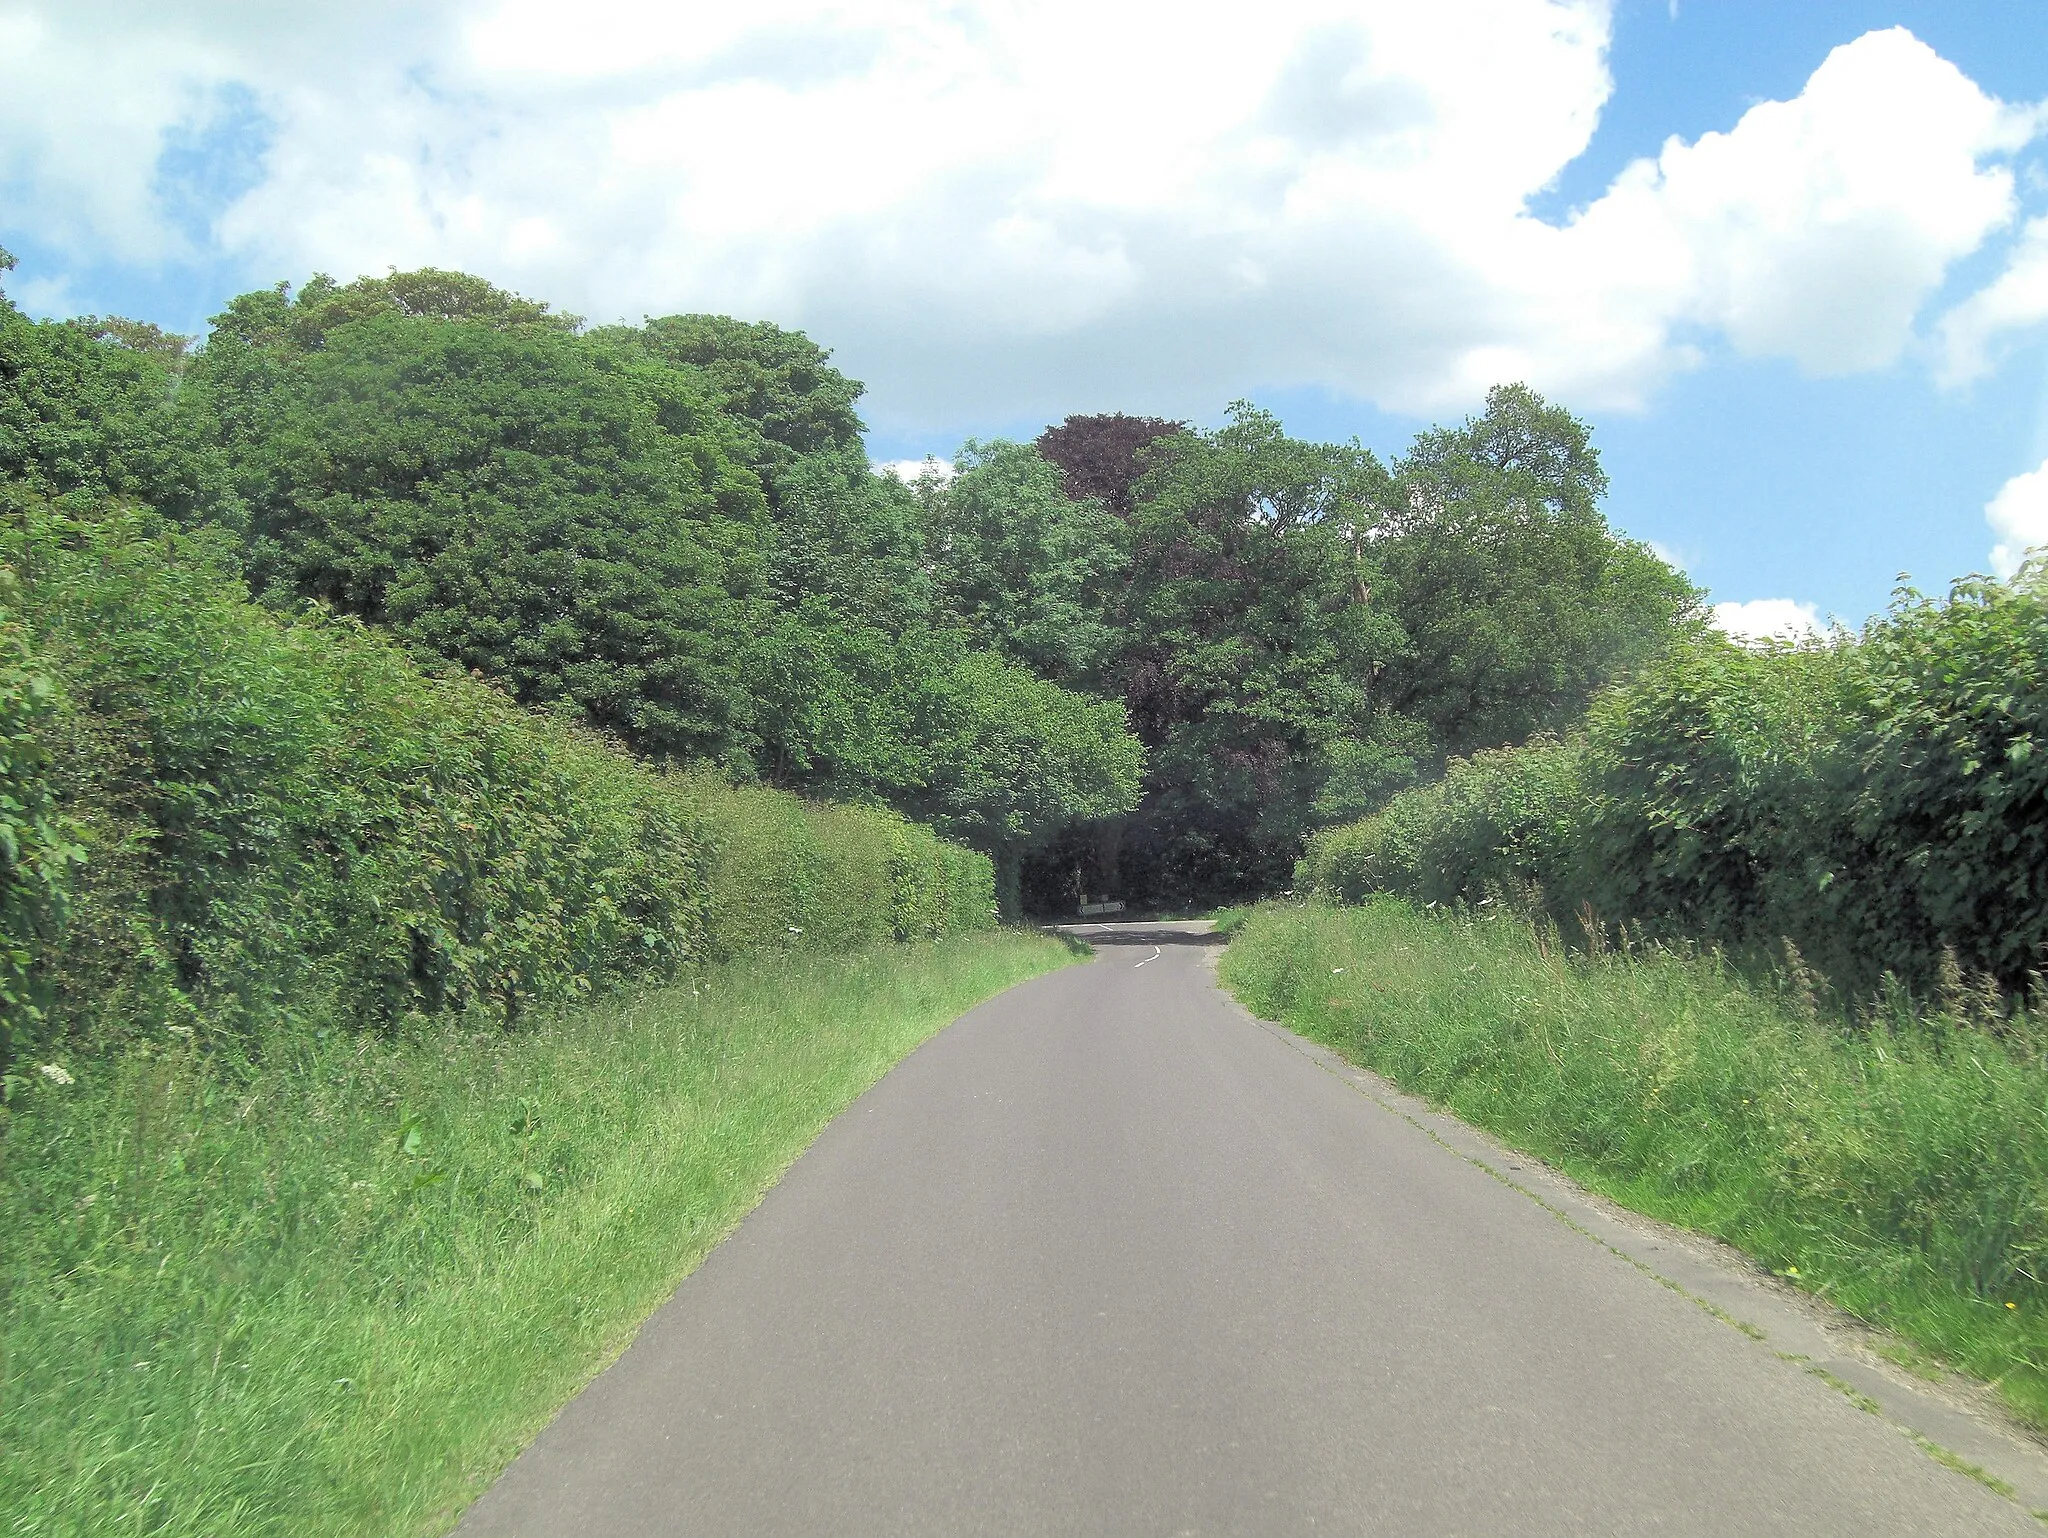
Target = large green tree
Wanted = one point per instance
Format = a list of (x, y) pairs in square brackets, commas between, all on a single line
[(468, 471), (846, 548), (86, 405), (1302, 632), (1517, 599), (1024, 569), (1252, 645), (671, 528)]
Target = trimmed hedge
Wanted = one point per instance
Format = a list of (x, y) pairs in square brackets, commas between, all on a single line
[(1880, 802), (286, 824), (1496, 821), (788, 872)]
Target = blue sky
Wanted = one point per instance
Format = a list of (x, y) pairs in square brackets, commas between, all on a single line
[(1764, 482), (1812, 336)]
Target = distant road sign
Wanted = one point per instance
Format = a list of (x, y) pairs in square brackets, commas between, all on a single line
[(1089, 910)]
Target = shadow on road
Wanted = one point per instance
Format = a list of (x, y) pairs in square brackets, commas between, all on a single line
[(1140, 934)]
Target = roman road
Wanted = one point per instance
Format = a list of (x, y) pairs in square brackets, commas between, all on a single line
[(1107, 1256)]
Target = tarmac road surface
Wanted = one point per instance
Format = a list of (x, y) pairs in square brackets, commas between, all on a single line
[(1109, 1257)]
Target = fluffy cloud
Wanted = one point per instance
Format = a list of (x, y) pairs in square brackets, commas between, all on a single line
[(1761, 619), (911, 471), (1816, 228), (97, 95), (2019, 517), (997, 209), (2016, 300)]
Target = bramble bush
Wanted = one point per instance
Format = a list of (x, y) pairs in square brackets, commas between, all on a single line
[(284, 823), (1880, 802)]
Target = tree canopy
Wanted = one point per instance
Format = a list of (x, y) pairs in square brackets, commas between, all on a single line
[(669, 530), (1023, 568), (1517, 599), (496, 490), (1130, 656), (1100, 457), (1302, 630)]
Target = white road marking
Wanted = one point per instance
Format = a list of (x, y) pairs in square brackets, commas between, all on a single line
[(1153, 957)]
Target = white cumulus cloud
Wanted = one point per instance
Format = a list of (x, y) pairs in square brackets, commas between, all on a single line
[(2019, 517), (911, 471), (2016, 300), (1760, 619), (992, 209), (1816, 228)]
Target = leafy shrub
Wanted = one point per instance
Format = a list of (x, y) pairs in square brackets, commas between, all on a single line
[(1953, 799), (1499, 820), (285, 823), (1718, 790), (37, 849), (1879, 802), (804, 874)]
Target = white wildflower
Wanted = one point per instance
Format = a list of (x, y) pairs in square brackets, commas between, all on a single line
[(56, 1074)]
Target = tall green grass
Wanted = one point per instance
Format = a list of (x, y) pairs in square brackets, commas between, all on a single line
[(330, 1288), (1900, 1169)]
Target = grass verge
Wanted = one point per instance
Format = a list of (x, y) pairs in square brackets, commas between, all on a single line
[(1900, 1170), (335, 1290), (1228, 921)]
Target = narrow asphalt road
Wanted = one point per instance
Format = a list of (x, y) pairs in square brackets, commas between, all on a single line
[(1109, 1257)]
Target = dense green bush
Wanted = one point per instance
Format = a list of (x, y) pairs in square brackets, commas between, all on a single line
[(1880, 802), (1497, 821), (285, 823), (37, 847), (1718, 789), (1953, 802), (817, 876)]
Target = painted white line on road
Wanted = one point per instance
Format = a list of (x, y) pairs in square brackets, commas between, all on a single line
[(1153, 957)]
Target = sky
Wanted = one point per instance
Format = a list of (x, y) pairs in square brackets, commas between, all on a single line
[(1790, 261)]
